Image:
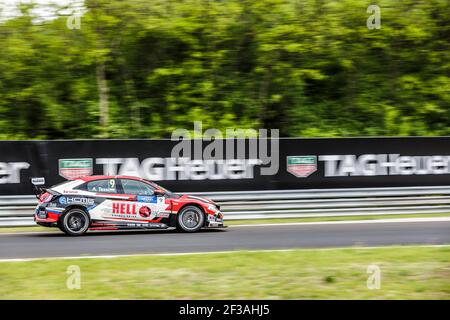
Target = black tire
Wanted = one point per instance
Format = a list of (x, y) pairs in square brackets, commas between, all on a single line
[(75, 222), (190, 219)]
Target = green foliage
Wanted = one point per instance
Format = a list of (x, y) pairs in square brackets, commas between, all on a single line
[(307, 67)]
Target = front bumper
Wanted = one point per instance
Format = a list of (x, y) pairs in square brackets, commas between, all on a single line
[(212, 225), (215, 220)]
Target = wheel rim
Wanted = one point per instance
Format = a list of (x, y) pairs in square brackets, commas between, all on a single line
[(76, 222), (191, 219)]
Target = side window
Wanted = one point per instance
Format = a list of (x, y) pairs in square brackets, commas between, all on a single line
[(136, 187), (102, 186)]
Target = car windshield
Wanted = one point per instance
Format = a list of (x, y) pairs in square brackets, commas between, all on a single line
[(169, 193)]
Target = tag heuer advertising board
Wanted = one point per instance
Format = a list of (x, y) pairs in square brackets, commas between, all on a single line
[(75, 168), (301, 166)]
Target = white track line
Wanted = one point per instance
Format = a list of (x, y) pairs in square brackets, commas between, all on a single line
[(399, 220), (222, 252)]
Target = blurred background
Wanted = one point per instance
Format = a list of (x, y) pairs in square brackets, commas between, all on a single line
[(140, 68), (124, 69)]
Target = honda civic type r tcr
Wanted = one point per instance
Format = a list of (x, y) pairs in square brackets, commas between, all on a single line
[(120, 202)]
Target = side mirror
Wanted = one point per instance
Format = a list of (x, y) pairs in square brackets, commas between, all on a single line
[(159, 192)]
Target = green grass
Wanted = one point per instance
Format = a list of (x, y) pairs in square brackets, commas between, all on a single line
[(27, 229), (406, 273), (346, 218)]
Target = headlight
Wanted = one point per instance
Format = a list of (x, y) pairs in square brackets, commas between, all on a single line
[(213, 208)]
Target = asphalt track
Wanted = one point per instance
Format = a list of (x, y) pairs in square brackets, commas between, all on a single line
[(56, 244)]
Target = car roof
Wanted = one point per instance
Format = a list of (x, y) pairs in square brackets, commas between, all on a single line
[(92, 178)]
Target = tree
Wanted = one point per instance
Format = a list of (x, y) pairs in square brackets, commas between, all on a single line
[(140, 69)]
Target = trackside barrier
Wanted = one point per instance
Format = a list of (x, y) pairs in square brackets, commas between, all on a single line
[(18, 210)]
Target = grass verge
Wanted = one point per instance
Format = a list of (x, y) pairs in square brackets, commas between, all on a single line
[(27, 229), (411, 272), (346, 218)]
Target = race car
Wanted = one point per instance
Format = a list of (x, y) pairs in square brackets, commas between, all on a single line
[(120, 202)]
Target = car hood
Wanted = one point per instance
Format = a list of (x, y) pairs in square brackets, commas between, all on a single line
[(201, 199)]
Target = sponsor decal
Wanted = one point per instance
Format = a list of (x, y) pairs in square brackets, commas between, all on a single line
[(75, 200), (146, 225), (145, 212), (148, 199), (162, 215), (53, 211), (384, 165), (71, 169), (180, 168), (137, 225), (42, 214), (10, 171), (123, 208), (301, 166)]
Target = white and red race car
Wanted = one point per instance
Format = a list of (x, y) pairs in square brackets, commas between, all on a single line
[(120, 202)]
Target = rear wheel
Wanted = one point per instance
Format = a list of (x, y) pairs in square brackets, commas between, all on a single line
[(75, 222), (190, 219)]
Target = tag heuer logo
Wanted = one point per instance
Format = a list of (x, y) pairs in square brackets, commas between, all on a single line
[(75, 168), (301, 166)]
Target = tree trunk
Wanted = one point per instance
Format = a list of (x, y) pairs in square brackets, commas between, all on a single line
[(102, 86)]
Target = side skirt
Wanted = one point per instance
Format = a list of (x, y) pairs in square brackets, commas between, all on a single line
[(127, 225)]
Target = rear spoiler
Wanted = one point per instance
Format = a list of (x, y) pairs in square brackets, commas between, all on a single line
[(38, 186), (40, 189)]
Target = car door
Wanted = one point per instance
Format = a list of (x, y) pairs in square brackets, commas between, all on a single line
[(143, 204), (107, 196)]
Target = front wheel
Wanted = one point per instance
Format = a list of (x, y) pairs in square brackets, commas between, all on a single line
[(190, 219), (75, 222)]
